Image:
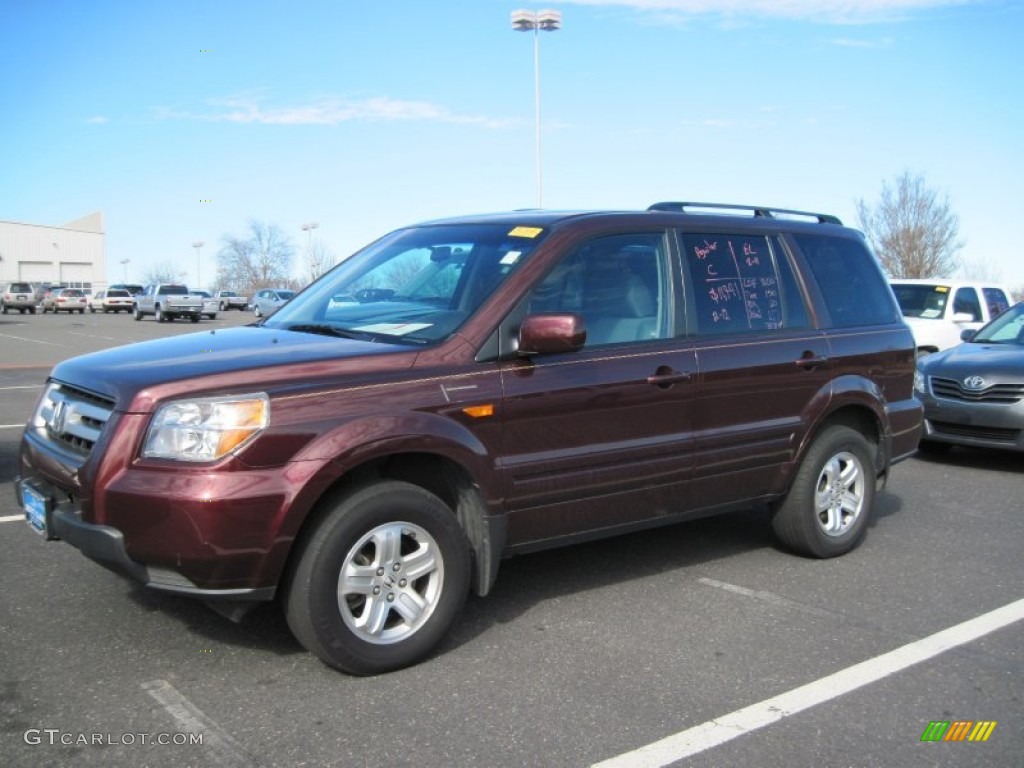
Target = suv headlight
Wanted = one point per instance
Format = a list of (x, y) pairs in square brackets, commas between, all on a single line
[(205, 429), (919, 382)]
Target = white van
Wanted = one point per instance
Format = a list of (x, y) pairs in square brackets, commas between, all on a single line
[(938, 310)]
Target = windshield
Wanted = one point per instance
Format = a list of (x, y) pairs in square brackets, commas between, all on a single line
[(920, 300), (1008, 328), (414, 286)]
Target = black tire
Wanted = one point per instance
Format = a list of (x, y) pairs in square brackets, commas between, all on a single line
[(31, 310), (355, 535), (932, 448), (194, 318), (5, 309), (222, 307), (158, 315), (136, 314), (256, 311), (81, 311), (92, 310), (829, 505)]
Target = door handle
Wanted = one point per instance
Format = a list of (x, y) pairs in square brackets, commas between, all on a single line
[(811, 361), (665, 377)]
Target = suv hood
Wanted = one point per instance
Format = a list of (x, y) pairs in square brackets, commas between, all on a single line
[(1005, 361), (223, 360)]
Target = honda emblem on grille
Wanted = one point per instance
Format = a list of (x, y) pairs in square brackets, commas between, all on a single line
[(56, 422), (974, 382)]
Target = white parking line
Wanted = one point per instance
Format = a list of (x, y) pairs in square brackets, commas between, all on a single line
[(766, 597), (219, 748), (12, 518), (34, 341), (11, 426), (22, 386), (728, 727)]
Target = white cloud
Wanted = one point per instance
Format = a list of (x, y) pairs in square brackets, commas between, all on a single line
[(822, 11), (846, 42), (97, 120), (247, 108)]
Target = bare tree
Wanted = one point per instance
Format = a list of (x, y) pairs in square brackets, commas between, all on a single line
[(319, 259), (164, 272), (261, 260), (914, 233), (980, 269)]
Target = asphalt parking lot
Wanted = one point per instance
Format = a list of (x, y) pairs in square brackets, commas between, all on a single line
[(579, 656)]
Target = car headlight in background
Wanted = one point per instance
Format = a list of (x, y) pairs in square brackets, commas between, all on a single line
[(206, 429), (919, 385)]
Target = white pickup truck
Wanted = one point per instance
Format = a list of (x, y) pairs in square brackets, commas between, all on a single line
[(166, 301)]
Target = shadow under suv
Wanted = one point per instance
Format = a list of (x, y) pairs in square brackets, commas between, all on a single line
[(464, 390)]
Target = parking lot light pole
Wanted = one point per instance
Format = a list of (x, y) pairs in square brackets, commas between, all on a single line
[(535, 21), (124, 266), (198, 244), (308, 228)]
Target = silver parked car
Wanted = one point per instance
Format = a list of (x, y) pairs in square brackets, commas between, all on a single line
[(973, 394), (269, 300), (19, 296)]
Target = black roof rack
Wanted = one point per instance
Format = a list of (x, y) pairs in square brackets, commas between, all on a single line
[(758, 210)]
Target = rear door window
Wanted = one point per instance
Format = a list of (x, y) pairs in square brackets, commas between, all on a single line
[(741, 283)]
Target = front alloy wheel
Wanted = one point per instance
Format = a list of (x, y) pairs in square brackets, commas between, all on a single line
[(390, 583), (380, 580)]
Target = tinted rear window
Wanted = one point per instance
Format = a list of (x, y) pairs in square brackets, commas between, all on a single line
[(997, 301), (850, 280), (20, 288)]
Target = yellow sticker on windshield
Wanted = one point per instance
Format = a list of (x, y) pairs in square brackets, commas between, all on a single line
[(525, 232), (942, 289)]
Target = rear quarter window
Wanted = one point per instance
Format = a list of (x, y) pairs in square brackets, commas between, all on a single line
[(850, 280)]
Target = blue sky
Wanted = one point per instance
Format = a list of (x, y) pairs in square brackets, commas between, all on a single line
[(183, 120)]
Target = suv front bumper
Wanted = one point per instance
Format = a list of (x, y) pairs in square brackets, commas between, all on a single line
[(105, 545)]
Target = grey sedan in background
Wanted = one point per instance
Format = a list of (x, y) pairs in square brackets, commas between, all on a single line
[(973, 393), (269, 300)]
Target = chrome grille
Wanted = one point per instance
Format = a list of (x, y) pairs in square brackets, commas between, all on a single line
[(1006, 394), (73, 417)]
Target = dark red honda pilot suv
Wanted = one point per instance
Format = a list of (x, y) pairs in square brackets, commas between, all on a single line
[(465, 390)]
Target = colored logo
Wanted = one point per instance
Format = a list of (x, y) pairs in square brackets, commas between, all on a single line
[(959, 730)]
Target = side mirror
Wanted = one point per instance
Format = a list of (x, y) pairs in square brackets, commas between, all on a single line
[(967, 334), (551, 334), (963, 317)]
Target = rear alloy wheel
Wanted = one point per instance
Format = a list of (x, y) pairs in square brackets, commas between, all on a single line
[(381, 579), (828, 508), (136, 313), (158, 315)]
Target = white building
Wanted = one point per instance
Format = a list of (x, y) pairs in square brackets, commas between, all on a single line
[(73, 254)]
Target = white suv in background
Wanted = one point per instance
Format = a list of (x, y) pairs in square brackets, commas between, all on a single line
[(938, 310)]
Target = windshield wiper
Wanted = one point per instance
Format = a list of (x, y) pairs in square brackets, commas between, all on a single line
[(327, 330), (347, 333)]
